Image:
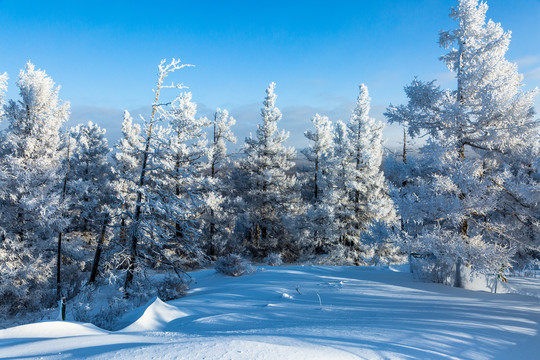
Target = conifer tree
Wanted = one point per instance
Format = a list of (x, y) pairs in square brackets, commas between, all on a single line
[(90, 187), (371, 199), (269, 197), (475, 169), (182, 180), (319, 154), (219, 216), (126, 162), (90, 176), (339, 198), (148, 155), (31, 211), (360, 193)]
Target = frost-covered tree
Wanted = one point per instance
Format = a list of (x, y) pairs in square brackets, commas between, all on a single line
[(222, 134), (90, 188), (371, 199), (219, 216), (140, 226), (31, 211), (480, 198), (268, 188), (319, 154), (339, 197), (90, 176), (127, 161), (182, 180), (373, 207), (31, 157), (360, 193)]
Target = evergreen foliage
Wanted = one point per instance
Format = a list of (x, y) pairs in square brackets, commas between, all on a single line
[(166, 198), (268, 192), (474, 202)]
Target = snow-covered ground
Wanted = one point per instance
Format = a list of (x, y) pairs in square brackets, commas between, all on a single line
[(303, 312)]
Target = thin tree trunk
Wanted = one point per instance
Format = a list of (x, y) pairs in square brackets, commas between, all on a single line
[(97, 255), (123, 228), (179, 233), (133, 246), (404, 145), (316, 185), (178, 227), (59, 246), (138, 205), (458, 279)]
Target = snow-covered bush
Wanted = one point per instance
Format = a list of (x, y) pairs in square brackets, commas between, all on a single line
[(379, 245), (233, 265), (339, 254), (102, 307), (172, 287), (25, 279), (432, 269), (104, 303), (273, 259)]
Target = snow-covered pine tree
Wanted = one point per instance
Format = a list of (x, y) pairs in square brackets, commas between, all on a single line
[(371, 199), (90, 190), (319, 154), (219, 217), (360, 184), (182, 177), (339, 197), (30, 192), (373, 206), (30, 155), (90, 177), (480, 208), (269, 197), (127, 161), (153, 144), (127, 165)]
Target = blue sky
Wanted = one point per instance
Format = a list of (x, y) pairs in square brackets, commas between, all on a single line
[(104, 54)]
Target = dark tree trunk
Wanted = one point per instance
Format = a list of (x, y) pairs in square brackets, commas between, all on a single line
[(97, 255), (59, 250)]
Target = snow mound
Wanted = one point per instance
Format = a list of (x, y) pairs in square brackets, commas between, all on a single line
[(51, 329), (155, 317)]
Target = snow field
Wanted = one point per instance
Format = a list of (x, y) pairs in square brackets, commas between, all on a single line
[(275, 313)]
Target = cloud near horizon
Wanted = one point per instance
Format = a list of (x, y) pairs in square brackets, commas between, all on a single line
[(296, 120)]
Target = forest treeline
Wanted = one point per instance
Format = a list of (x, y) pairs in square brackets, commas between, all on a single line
[(77, 212)]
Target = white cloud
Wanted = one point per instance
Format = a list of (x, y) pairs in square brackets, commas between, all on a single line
[(533, 74), (528, 60)]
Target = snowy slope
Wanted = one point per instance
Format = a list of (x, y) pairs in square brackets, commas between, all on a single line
[(298, 312)]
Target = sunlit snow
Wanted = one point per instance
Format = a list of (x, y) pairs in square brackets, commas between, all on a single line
[(275, 313)]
